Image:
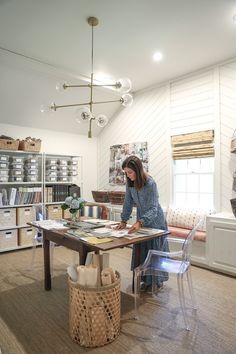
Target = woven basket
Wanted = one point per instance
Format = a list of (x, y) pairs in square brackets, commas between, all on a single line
[(100, 196), (6, 144), (116, 197), (94, 313), (30, 146)]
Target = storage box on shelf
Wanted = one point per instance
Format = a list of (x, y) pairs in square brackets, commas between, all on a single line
[(7, 144), (66, 214), (19, 195), (26, 236), (24, 183), (8, 239), (8, 217), (25, 215), (54, 212), (30, 145), (61, 168)]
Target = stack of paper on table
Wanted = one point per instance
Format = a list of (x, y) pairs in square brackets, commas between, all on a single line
[(101, 221), (49, 224), (101, 232), (144, 232), (149, 231), (95, 240)]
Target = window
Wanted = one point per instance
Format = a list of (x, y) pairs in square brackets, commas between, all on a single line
[(193, 182)]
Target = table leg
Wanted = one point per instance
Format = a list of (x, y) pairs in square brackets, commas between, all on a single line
[(83, 254), (47, 273)]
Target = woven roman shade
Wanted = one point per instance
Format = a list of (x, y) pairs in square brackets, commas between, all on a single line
[(193, 145)]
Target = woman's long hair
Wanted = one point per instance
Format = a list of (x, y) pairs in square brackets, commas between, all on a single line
[(135, 164)]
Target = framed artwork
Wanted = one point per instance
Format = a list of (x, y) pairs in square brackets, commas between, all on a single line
[(118, 153)]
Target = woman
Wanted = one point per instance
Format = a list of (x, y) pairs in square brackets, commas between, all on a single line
[(141, 190)]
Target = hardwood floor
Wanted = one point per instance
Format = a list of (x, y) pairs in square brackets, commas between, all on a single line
[(34, 321)]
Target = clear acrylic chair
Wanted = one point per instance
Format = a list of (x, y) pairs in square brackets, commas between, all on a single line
[(171, 262)]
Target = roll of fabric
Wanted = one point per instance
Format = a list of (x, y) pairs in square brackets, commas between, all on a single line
[(106, 278), (73, 274), (109, 270), (105, 260), (97, 260), (91, 275), (81, 275), (89, 258)]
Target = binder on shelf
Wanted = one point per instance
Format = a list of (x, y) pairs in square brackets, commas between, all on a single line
[(12, 196)]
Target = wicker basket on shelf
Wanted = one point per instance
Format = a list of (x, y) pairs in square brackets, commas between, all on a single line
[(116, 197), (94, 313), (33, 146), (100, 196), (7, 144)]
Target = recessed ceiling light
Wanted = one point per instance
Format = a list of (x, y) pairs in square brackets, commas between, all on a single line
[(157, 56)]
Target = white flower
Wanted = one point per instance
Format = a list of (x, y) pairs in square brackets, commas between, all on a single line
[(68, 201), (75, 204)]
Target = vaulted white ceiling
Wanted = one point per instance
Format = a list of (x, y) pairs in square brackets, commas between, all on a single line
[(191, 34)]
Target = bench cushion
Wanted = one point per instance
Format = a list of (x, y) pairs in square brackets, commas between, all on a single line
[(186, 218), (183, 233)]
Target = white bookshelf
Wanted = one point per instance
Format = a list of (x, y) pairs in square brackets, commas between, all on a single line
[(30, 197)]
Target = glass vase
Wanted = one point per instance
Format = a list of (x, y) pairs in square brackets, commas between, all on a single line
[(75, 216)]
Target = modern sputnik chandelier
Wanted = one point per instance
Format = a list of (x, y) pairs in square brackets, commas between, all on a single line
[(85, 112)]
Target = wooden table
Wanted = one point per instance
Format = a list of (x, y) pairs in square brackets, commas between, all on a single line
[(61, 238)]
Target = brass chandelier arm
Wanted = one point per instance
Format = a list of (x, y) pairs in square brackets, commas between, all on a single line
[(54, 107), (98, 102), (116, 85)]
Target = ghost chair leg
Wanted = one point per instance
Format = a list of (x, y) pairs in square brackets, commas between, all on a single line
[(136, 293), (182, 299), (38, 239), (190, 286)]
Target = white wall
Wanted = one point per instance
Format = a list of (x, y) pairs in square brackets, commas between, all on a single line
[(66, 144), (199, 101), (145, 120)]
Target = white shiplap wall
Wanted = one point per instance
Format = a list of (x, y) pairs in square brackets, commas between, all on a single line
[(146, 120), (192, 103), (200, 101), (227, 127)]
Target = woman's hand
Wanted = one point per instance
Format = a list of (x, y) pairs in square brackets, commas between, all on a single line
[(134, 228), (121, 226)]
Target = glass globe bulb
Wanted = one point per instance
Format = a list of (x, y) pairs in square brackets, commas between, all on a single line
[(61, 86), (124, 85), (48, 108), (83, 114), (126, 100), (101, 120)]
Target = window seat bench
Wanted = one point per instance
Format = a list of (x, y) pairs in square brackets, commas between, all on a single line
[(180, 221), (181, 232)]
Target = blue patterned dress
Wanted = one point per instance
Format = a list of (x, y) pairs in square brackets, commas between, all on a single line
[(151, 214)]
